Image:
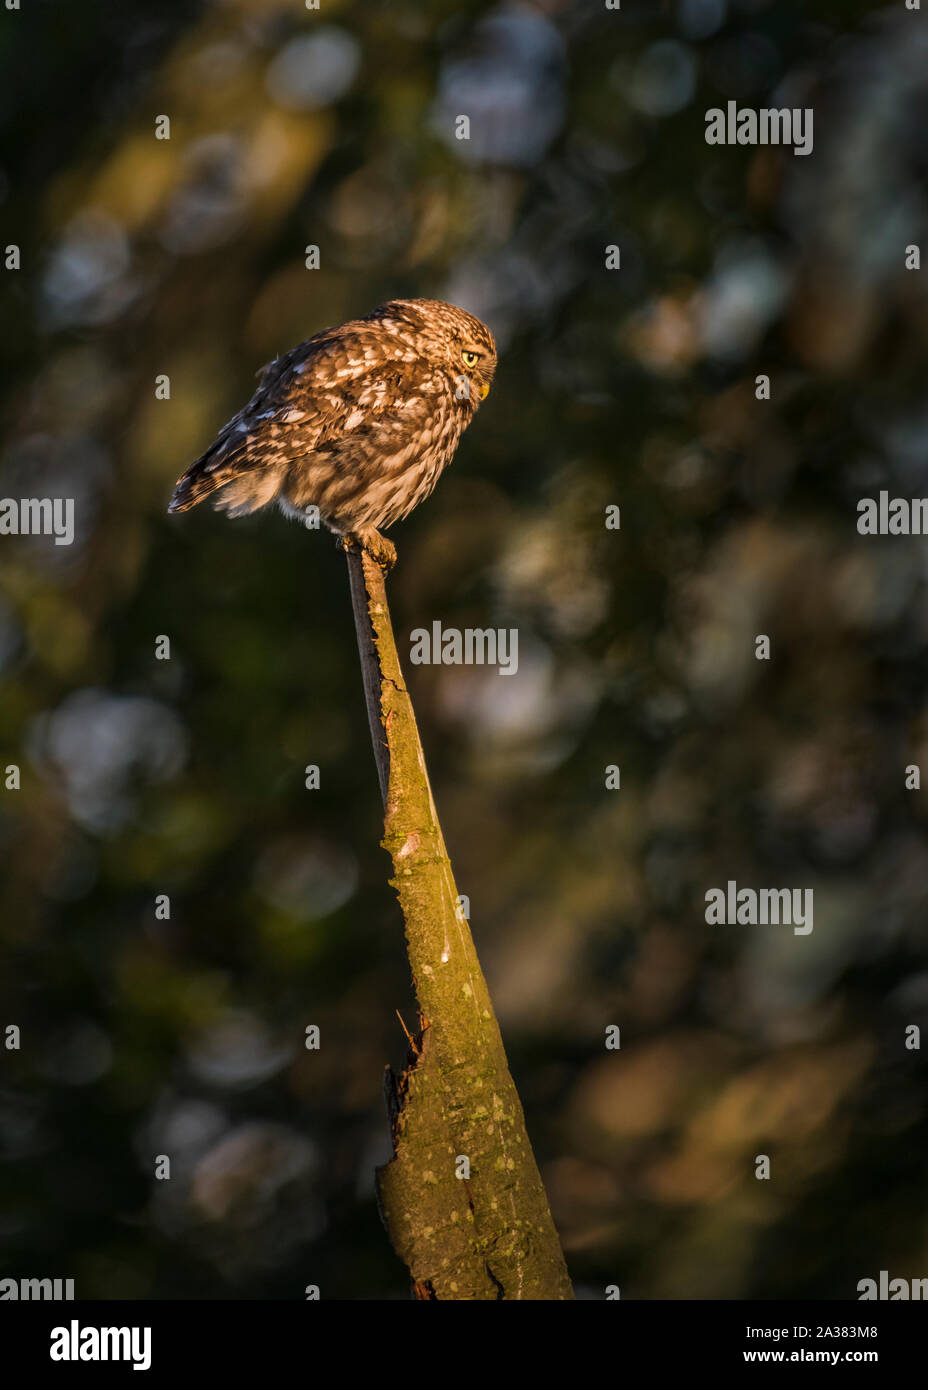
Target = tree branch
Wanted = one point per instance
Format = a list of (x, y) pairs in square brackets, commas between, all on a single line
[(462, 1198)]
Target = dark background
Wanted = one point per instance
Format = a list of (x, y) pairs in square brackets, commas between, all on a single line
[(632, 387)]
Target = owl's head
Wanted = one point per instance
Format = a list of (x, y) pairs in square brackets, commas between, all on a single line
[(447, 337)]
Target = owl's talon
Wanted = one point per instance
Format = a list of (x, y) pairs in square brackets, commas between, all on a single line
[(377, 546)]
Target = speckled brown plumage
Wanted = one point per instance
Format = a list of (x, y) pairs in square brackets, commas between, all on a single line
[(358, 421)]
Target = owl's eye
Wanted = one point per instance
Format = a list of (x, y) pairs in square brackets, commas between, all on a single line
[(470, 358)]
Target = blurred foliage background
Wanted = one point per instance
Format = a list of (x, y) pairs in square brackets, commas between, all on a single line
[(635, 388)]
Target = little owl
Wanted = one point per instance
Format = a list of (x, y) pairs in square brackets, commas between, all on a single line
[(358, 421)]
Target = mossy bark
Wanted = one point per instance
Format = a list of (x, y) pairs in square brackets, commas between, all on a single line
[(462, 1198)]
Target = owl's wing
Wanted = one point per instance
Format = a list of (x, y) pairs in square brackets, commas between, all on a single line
[(301, 383), (338, 389)]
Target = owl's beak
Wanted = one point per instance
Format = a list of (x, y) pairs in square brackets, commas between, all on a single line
[(484, 392)]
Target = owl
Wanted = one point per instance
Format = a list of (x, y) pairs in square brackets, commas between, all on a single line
[(358, 421)]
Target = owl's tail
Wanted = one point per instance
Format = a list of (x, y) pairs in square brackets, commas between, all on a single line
[(196, 484), (244, 487)]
